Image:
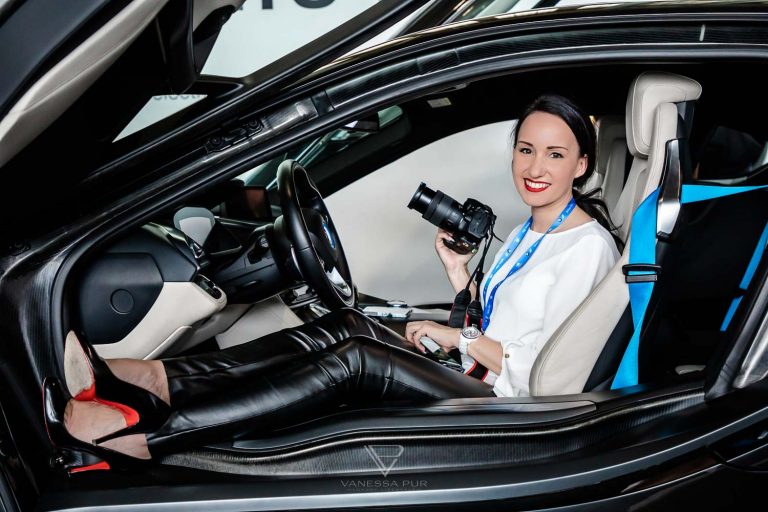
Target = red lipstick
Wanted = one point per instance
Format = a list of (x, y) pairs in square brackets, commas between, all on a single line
[(538, 189)]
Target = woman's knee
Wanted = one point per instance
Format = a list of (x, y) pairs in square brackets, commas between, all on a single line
[(357, 352)]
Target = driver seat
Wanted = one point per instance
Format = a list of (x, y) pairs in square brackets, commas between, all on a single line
[(566, 362)]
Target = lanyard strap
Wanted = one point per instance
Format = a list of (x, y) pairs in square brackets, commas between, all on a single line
[(489, 299)]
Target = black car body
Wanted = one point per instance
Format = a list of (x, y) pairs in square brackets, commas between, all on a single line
[(697, 441)]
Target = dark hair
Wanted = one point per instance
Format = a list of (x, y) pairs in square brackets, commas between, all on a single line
[(584, 130)]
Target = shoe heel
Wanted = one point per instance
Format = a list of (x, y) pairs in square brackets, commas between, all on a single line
[(92, 457), (98, 466), (75, 461)]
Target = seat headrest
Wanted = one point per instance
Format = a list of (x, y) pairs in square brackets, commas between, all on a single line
[(610, 130), (648, 91)]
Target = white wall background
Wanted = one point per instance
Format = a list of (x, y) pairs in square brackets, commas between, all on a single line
[(253, 37), (390, 248)]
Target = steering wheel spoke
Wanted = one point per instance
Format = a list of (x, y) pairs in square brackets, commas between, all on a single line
[(339, 282)]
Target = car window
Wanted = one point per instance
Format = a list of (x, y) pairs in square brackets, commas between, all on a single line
[(259, 33), (728, 153), (319, 149), (390, 247), (157, 109)]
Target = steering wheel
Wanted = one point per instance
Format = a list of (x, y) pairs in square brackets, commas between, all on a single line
[(316, 246)]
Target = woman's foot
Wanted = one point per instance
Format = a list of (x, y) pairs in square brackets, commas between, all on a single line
[(90, 420), (148, 375)]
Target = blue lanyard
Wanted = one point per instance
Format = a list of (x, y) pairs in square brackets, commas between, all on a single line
[(488, 309)]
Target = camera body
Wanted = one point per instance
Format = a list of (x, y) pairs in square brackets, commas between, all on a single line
[(469, 223)]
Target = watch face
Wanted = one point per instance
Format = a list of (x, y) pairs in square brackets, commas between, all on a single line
[(470, 332)]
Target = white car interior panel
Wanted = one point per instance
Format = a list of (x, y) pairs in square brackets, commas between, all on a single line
[(52, 94), (567, 359), (178, 307), (208, 328), (395, 258), (260, 319)]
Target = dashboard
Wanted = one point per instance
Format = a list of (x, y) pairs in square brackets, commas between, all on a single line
[(147, 292)]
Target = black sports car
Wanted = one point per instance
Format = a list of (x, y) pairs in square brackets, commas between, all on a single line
[(192, 233)]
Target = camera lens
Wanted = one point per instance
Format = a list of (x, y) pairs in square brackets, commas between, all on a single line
[(439, 209), (421, 198), (444, 212)]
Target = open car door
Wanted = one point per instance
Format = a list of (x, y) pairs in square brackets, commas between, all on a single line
[(85, 71)]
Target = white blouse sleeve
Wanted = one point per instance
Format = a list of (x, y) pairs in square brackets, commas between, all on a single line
[(577, 271)]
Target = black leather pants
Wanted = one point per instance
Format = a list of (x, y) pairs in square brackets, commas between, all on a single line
[(296, 374), (198, 374)]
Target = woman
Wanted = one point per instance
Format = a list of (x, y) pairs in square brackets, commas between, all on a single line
[(553, 155), (126, 411)]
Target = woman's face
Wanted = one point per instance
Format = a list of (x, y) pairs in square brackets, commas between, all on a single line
[(546, 160)]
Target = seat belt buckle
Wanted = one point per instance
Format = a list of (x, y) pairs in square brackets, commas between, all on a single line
[(650, 272)]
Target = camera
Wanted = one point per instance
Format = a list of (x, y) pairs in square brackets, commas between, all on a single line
[(469, 223)]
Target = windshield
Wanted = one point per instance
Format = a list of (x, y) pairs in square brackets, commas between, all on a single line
[(316, 151)]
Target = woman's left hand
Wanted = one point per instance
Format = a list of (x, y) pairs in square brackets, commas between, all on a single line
[(446, 337)]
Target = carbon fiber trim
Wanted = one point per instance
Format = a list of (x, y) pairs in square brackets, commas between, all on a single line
[(440, 449)]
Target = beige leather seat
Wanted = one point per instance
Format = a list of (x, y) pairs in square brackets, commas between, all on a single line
[(611, 159), (567, 359)]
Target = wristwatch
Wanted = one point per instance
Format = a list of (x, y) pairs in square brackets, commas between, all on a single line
[(468, 335)]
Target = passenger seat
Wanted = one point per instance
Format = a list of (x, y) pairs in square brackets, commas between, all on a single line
[(612, 160)]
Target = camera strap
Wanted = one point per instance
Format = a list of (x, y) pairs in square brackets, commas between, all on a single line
[(467, 311), (489, 298)]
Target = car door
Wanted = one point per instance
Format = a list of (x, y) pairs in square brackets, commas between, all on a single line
[(89, 70)]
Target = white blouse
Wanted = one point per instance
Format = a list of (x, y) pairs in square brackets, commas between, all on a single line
[(534, 301)]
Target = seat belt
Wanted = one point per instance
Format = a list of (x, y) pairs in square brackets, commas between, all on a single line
[(748, 274), (641, 273)]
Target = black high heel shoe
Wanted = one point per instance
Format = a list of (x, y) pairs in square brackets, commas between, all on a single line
[(55, 398), (143, 411)]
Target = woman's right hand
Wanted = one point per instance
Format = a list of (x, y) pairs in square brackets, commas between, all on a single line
[(452, 261)]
